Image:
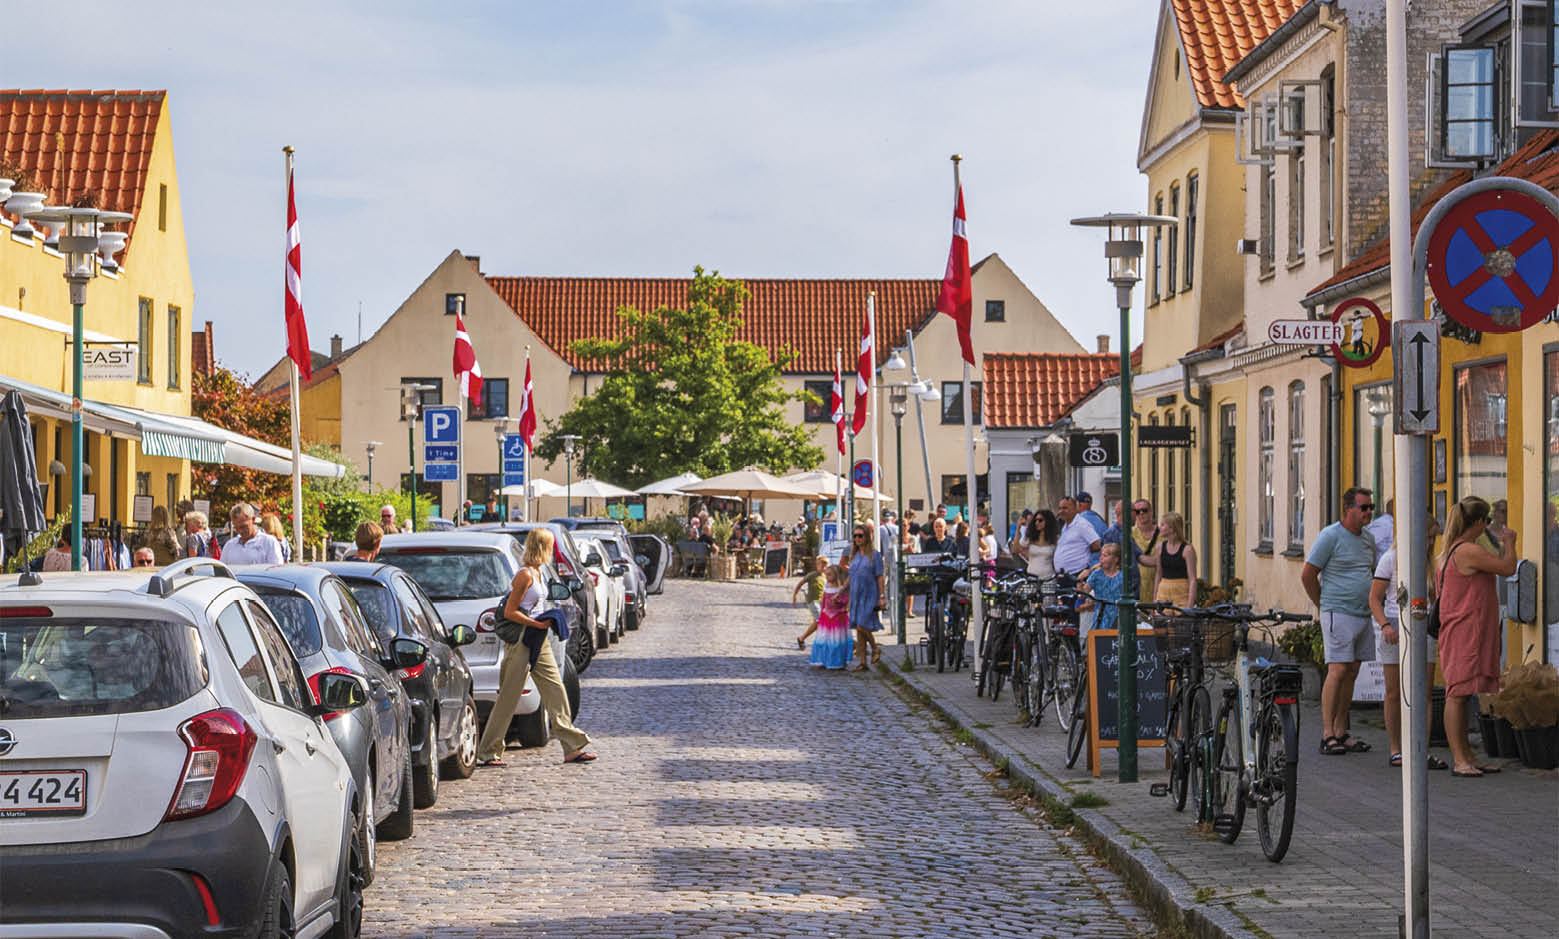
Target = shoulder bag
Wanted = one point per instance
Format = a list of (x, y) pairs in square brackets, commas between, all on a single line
[(1432, 624)]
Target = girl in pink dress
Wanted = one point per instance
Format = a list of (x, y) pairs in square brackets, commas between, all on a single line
[(832, 646)]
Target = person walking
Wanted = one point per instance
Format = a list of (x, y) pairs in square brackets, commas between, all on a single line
[(368, 536), (832, 647), (988, 547), (249, 545), (1336, 577), (812, 583), (1144, 534), (866, 593), (1388, 649), (1174, 561), (527, 600), (1085, 511), (1469, 619)]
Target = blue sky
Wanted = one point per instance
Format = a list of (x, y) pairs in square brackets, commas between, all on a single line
[(775, 138)]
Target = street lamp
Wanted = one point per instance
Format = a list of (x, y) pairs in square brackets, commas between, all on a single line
[(898, 404), (370, 445), (411, 406), (568, 480), (1378, 410), (500, 430), (1123, 250), (79, 229)]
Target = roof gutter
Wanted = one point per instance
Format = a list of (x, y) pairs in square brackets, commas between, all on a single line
[(1272, 43), (1342, 290)]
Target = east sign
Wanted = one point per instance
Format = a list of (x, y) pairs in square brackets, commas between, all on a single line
[(108, 363)]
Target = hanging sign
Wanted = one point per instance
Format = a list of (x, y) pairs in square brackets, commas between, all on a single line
[(1493, 261), (1165, 436), (1090, 450), (108, 362), (1366, 334), (141, 509), (1305, 333)]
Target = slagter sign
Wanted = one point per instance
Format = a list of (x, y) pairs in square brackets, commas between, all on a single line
[(1306, 332)]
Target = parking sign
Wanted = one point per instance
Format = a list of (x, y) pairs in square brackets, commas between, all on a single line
[(441, 425), (514, 460)]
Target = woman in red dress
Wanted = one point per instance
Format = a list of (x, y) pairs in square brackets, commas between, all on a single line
[(1469, 619)]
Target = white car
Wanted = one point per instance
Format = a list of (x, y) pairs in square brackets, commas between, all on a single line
[(164, 767), (607, 577), (466, 574)]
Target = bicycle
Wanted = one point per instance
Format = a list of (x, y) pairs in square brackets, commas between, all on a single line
[(1190, 705), (1262, 705), (1061, 649)]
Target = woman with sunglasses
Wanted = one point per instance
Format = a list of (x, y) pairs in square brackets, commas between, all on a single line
[(867, 588)]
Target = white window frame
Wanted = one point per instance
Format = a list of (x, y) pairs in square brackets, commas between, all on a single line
[(1296, 464), (1266, 419)]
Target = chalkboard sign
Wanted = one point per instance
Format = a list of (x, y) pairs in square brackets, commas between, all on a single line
[(775, 559), (1104, 691)]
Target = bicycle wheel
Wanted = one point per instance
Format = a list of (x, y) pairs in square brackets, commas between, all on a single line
[(1077, 733), (934, 626), (1066, 676), (1175, 744), (1020, 678), (1199, 720), (1228, 802), (1041, 688), (953, 632), (1277, 779)]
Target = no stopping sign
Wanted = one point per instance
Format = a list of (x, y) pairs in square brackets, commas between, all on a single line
[(1492, 261)]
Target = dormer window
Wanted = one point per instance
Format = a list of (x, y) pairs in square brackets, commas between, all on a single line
[(1469, 91), (1492, 91)]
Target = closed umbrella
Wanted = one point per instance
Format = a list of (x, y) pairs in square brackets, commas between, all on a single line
[(20, 500)]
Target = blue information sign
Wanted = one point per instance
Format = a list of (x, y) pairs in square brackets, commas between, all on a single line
[(441, 472), (513, 460), (440, 453), (441, 425)]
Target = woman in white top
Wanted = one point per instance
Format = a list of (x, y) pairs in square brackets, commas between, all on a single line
[(528, 599), (1039, 544), (988, 549)]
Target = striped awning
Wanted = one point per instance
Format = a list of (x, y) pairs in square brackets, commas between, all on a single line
[(180, 446)]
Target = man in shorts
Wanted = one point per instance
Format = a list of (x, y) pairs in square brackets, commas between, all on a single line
[(1337, 576), (1388, 649)]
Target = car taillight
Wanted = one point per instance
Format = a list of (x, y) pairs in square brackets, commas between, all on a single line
[(407, 674), (28, 611), (628, 597), (595, 578), (220, 743), (314, 687), (563, 565)]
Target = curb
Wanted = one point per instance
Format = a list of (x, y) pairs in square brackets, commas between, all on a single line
[(1166, 893)]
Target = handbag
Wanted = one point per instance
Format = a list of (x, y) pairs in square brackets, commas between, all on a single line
[(1432, 624)]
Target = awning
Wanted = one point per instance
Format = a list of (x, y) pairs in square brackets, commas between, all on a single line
[(171, 435)]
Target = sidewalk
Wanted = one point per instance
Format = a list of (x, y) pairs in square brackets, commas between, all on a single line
[(1494, 849)]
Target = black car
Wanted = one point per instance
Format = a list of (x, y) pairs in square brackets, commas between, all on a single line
[(571, 568), (327, 632), (443, 710)]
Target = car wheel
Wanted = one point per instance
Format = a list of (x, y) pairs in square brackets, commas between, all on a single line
[(571, 685), (276, 905), (400, 824), (349, 891), (424, 778), (631, 620), (531, 730), (461, 763)]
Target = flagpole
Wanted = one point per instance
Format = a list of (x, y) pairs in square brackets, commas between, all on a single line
[(839, 460), (971, 485), (871, 327), (460, 456), (292, 371)]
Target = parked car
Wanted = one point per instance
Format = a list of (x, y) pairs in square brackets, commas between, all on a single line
[(607, 578), (569, 564), (325, 629), (641, 567), (657, 553), (443, 709), (166, 770), (465, 574)]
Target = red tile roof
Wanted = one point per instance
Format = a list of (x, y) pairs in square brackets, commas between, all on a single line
[(1035, 389), (103, 148), (811, 317), (1537, 161), (1216, 34)]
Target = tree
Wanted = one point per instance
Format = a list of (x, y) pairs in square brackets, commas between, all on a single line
[(683, 393), (222, 398)]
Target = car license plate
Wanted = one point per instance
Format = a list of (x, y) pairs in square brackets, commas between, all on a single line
[(43, 792)]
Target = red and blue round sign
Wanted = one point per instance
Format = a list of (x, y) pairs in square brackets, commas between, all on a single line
[(861, 473), (1492, 261)]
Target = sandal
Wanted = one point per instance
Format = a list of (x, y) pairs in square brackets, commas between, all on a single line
[(1437, 763), (801, 644), (876, 654), (580, 757), (498, 762), (1353, 744), (1488, 770), (1396, 759), (1333, 746), (860, 668)]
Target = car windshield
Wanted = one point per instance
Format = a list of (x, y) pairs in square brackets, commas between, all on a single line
[(376, 601), (98, 665), (298, 621), (453, 574), (613, 550)]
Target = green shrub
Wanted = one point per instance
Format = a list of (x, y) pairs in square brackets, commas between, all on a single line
[(1304, 643)]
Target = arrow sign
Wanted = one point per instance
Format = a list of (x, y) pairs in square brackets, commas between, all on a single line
[(1415, 349)]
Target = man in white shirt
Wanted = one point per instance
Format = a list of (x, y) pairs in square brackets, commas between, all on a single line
[(1383, 528), (249, 545), (1078, 538)]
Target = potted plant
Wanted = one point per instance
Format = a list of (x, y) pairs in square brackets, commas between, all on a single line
[(1305, 644), (1529, 699), (722, 566)]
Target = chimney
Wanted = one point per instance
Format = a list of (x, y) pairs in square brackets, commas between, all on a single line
[(1104, 345), (202, 351), (335, 347), (476, 261)]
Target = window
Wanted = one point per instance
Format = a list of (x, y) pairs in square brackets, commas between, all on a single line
[(1022, 493), (1153, 467), (143, 484), (1268, 196), (430, 496), (1170, 489), (1296, 465), (294, 689), (955, 495), (1185, 466), (1171, 278), (1296, 203), (1192, 184), (245, 654), (431, 396), (1158, 251), (1266, 421), (454, 304), (1468, 102), (1480, 431), (1533, 74), (173, 497), (162, 206), (495, 401), (995, 311), (953, 402), (416, 617), (1328, 158), (816, 412), (481, 485), (1373, 441), (175, 331), (143, 353), (1550, 573)]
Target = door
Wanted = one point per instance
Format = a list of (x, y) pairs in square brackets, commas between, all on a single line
[(314, 806), (652, 547), (1226, 489), (448, 686), (392, 739)]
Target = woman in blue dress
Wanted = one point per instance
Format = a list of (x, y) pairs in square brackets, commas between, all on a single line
[(866, 592)]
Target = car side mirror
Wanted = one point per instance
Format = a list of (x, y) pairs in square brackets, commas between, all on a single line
[(618, 570), (407, 653), (462, 636), (560, 591), (339, 691), (573, 584), (641, 560)]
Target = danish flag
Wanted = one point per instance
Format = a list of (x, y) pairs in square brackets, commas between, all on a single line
[(836, 407), (297, 329), (527, 408), (467, 370), (956, 297), (863, 377)]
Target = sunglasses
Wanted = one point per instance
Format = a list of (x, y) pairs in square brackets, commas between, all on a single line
[(860, 534), (1141, 511), (1366, 507)]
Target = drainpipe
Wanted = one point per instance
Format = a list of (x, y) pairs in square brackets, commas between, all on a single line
[(1334, 484), (1204, 517)]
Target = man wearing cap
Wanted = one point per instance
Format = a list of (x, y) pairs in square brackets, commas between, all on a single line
[(1085, 511)]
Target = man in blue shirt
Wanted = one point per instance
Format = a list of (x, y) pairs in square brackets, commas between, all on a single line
[(1086, 513), (1336, 577)]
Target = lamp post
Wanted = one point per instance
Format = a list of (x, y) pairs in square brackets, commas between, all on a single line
[(500, 430), (411, 406), (1123, 250), (370, 446), (569, 440), (80, 230), (1378, 410), (898, 404)]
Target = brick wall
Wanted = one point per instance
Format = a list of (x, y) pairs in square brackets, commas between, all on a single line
[(1430, 23)]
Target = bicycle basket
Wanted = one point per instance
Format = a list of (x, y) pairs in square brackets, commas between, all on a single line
[(1217, 636), (1280, 682)]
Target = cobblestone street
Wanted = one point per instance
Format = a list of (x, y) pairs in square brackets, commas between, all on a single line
[(740, 793)]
